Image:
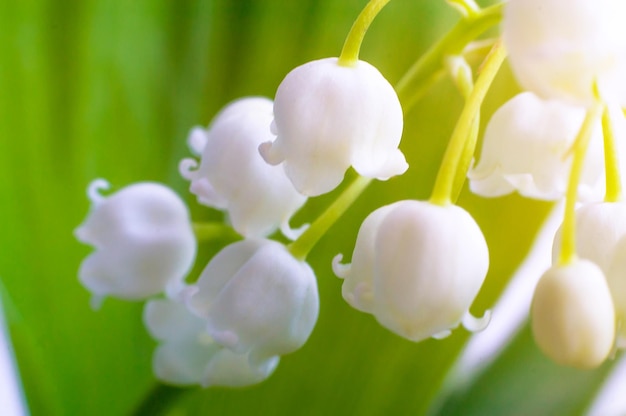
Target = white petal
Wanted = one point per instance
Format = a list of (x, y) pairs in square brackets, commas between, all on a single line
[(329, 117)]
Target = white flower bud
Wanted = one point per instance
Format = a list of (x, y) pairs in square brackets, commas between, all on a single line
[(417, 267), (143, 239), (187, 355), (572, 315), (328, 117), (527, 148), (232, 175), (257, 299), (560, 48), (601, 238)]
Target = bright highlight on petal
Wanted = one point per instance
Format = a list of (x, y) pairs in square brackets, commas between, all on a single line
[(559, 48)]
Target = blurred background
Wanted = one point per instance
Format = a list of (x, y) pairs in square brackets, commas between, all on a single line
[(110, 89)]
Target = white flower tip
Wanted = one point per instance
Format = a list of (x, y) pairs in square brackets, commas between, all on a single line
[(474, 324), (269, 154), (197, 140), (340, 270), (395, 165), (292, 233), (442, 334), (96, 302), (94, 188), (187, 168)]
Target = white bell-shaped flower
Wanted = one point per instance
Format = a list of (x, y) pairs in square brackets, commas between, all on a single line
[(187, 354), (601, 238), (143, 239), (328, 117), (233, 176), (527, 148), (560, 48), (572, 315), (257, 299), (417, 267)]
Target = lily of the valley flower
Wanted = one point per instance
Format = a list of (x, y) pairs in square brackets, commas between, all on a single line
[(143, 239), (572, 315), (232, 176), (527, 148), (560, 49), (257, 299), (187, 355), (328, 117), (601, 230), (417, 267)]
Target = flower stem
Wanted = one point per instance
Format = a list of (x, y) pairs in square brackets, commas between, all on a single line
[(611, 162), (208, 231), (424, 70), (303, 245), (568, 245), (350, 52), (457, 147)]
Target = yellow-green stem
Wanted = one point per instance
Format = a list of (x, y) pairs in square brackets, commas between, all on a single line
[(303, 245), (207, 231), (611, 161), (350, 52), (568, 240), (411, 85), (443, 189)]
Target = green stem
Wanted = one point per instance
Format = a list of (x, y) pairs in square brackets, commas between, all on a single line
[(568, 244), (611, 162), (410, 86), (350, 52), (208, 231), (159, 400), (443, 189), (303, 245)]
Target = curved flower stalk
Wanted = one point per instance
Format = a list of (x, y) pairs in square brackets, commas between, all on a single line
[(527, 148), (328, 117), (232, 176), (572, 315), (257, 299), (572, 45), (143, 239), (417, 267), (188, 355)]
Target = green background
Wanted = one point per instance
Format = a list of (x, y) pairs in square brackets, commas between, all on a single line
[(110, 89)]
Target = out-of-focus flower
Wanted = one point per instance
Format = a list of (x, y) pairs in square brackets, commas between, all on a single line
[(417, 267), (328, 117), (527, 149), (143, 239), (232, 176), (257, 299), (572, 315), (560, 48), (187, 355)]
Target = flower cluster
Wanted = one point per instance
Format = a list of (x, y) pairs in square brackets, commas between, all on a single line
[(417, 266)]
